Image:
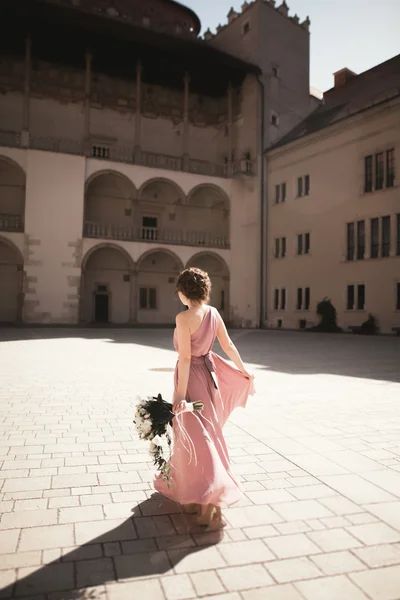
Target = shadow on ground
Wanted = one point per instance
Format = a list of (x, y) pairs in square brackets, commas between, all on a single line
[(294, 353), (153, 541)]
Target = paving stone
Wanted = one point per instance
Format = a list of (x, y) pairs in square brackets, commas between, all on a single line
[(375, 533), (301, 509), (334, 539), (41, 538), (245, 577), (293, 569), (287, 546), (107, 530), (207, 583), (178, 587), (80, 514), (142, 565), (145, 590), (245, 553), (379, 556), (20, 559), (335, 563), (281, 592), (94, 572), (330, 588), (28, 518), (47, 579), (379, 584), (73, 481)]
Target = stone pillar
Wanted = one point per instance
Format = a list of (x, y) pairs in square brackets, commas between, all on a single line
[(138, 116), (27, 93), (230, 127), (185, 148), (133, 298), (88, 80)]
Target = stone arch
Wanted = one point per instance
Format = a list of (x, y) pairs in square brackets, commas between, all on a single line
[(110, 200), (218, 271), (12, 195), (157, 302), (161, 209), (208, 215), (11, 277), (107, 284)]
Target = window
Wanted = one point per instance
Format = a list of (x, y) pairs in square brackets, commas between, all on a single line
[(299, 305), (350, 241), (274, 119), (149, 228), (356, 297), (307, 298), (283, 189), (303, 186), (379, 171), (303, 243), (385, 237), (283, 299), (101, 152), (280, 299), (277, 194), (307, 185), (276, 299), (360, 240), (368, 174), (222, 303), (398, 235), (303, 299), (246, 28), (280, 247), (350, 297), (280, 193), (374, 238), (398, 296), (275, 71), (300, 187), (390, 168), (148, 298)]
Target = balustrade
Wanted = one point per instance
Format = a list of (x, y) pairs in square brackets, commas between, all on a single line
[(11, 223)]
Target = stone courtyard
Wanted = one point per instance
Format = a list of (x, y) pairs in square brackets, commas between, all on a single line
[(317, 452)]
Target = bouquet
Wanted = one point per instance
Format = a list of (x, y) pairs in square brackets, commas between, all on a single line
[(153, 420)]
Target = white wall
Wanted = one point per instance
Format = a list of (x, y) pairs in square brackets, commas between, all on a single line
[(334, 159), (53, 219)]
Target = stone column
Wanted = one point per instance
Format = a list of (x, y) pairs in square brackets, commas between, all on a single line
[(138, 116), (185, 145), (133, 298), (27, 93), (230, 126), (88, 80)]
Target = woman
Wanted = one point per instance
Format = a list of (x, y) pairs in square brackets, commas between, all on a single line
[(200, 475)]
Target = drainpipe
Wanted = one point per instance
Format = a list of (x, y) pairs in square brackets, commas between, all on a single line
[(263, 211)]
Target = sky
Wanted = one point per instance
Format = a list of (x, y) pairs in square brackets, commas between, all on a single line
[(357, 34)]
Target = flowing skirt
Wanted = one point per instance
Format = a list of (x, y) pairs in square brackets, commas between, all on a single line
[(200, 468)]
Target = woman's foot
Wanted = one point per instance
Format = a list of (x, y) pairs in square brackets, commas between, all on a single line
[(211, 517), (191, 509)]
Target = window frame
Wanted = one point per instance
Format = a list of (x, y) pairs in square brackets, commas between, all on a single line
[(148, 290), (385, 236)]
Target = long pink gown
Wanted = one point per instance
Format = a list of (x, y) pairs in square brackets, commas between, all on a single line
[(200, 468)]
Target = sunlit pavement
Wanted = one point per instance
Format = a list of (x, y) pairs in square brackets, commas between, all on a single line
[(317, 451)]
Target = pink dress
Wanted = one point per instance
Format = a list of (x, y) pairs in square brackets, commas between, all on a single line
[(200, 467)]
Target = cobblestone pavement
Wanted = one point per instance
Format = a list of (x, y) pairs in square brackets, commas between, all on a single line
[(318, 452)]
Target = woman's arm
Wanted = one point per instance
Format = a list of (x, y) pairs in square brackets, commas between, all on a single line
[(230, 349), (184, 345)]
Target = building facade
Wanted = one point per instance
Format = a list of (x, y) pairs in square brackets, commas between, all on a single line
[(132, 153), (334, 207)]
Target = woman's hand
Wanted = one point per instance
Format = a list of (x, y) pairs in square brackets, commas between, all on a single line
[(179, 407), (248, 374)]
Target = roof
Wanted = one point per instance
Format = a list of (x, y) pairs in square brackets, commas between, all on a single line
[(117, 45), (371, 88)]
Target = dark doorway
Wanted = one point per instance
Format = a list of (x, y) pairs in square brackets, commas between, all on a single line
[(149, 228), (101, 308)]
